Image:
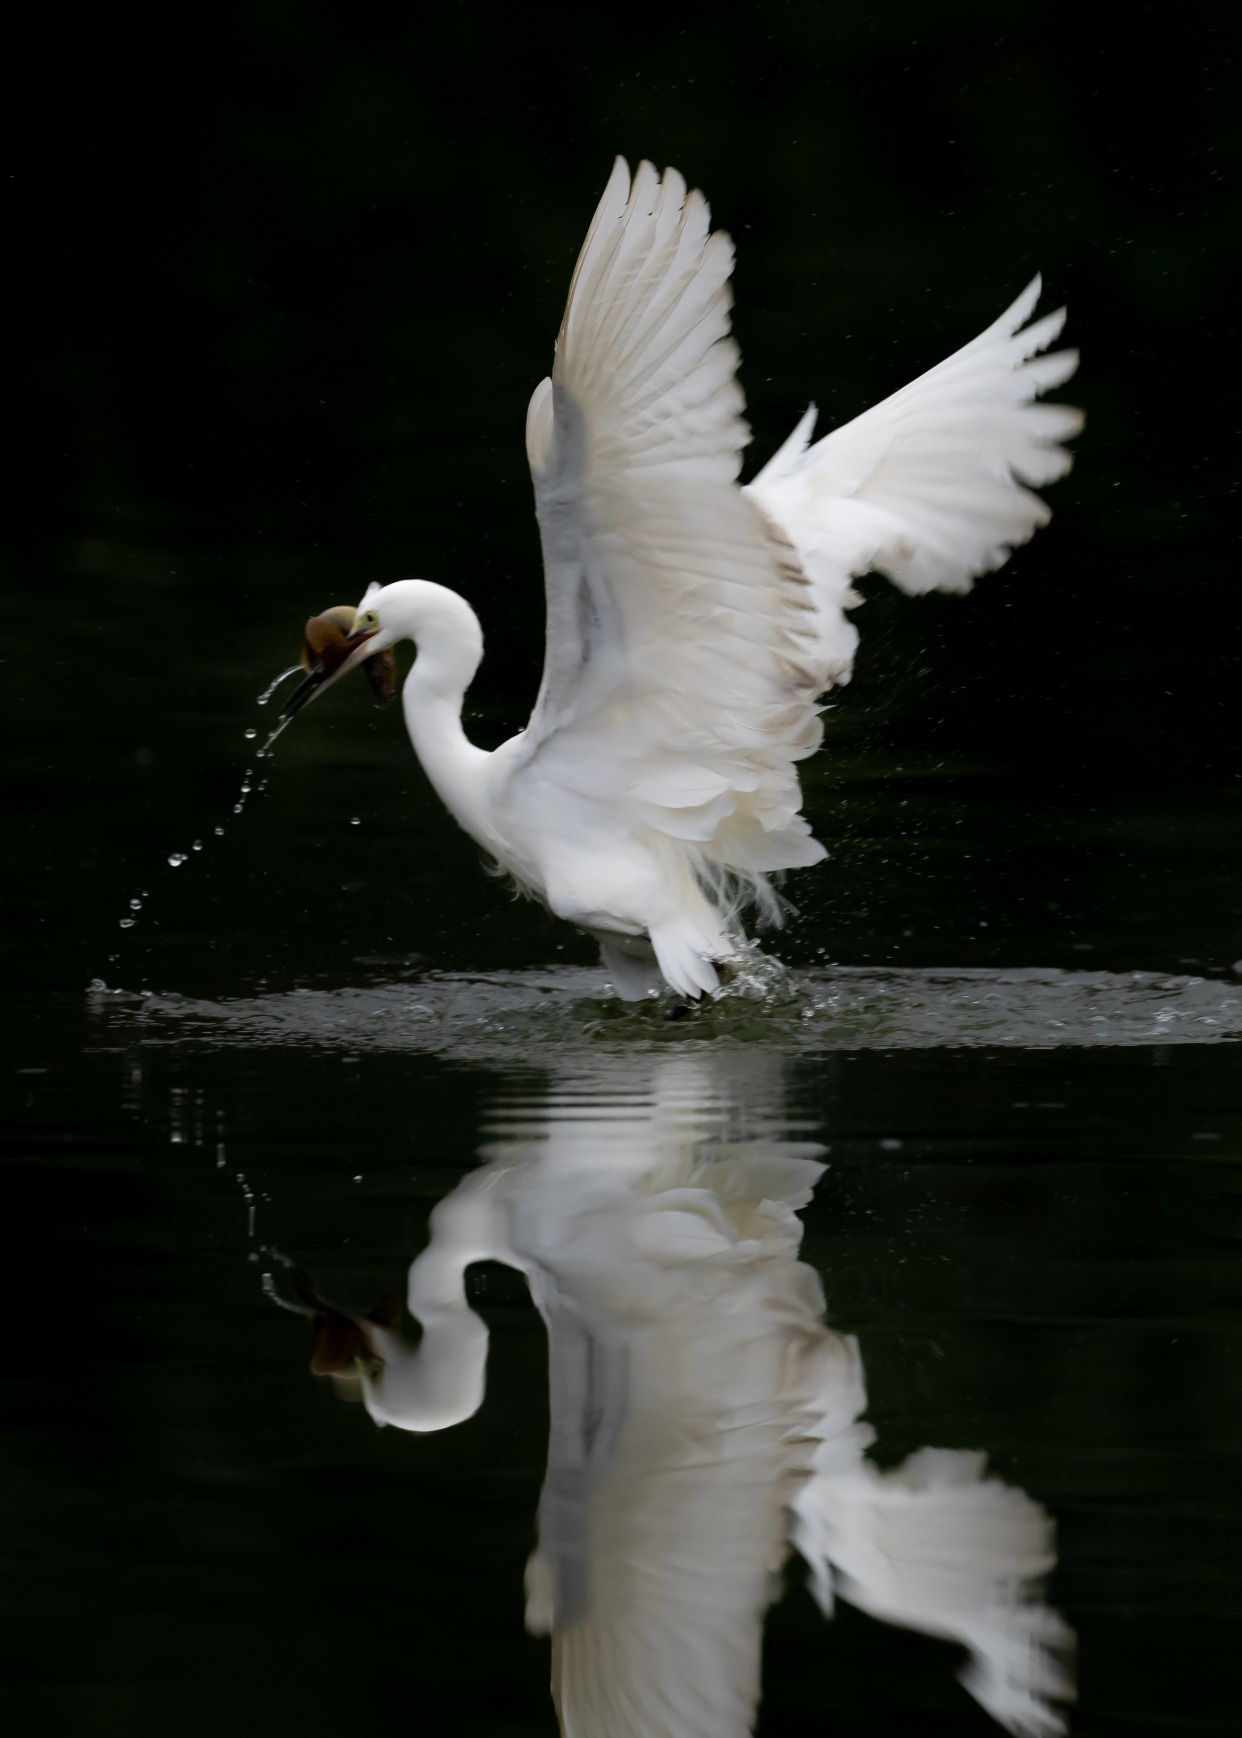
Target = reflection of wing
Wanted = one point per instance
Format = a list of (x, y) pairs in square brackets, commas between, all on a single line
[(680, 681), (668, 1542), (935, 1545), (702, 1413), (927, 486), (588, 1383)]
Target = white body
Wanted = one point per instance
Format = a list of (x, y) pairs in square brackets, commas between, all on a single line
[(693, 624), (702, 1416)]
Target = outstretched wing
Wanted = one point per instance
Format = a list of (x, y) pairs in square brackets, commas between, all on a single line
[(933, 486), (680, 679)]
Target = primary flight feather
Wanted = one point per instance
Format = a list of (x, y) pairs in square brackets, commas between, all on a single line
[(693, 624)]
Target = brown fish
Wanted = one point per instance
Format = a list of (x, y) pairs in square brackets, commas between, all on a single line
[(331, 647)]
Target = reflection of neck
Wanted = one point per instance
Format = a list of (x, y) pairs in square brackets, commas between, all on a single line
[(440, 1381)]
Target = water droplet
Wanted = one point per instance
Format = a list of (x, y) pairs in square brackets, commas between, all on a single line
[(197, 845), (135, 905), (357, 1179), (98, 984), (250, 735), (355, 821), (219, 832), (127, 923), (237, 808), (177, 859), (293, 670)]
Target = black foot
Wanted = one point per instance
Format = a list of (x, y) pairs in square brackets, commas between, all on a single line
[(679, 1007)]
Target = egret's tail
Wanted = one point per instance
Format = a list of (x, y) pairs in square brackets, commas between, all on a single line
[(686, 953)]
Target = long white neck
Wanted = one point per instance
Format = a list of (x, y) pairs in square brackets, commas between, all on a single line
[(450, 649), (440, 1381)]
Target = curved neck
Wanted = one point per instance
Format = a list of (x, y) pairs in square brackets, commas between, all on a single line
[(440, 1381), (450, 648), (433, 1385)]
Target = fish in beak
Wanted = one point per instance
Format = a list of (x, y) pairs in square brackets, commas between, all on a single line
[(332, 648)]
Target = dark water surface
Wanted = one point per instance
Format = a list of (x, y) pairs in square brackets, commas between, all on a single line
[(279, 313), (1029, 1218)]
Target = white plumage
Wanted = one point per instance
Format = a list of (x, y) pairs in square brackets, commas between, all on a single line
[(702, 1416), (692, 624)]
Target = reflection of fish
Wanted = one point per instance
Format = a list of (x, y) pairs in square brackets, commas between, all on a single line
[(703, 1417), (342, 1342)]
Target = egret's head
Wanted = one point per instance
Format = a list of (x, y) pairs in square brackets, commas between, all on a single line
[(339, 640), (409, 609)]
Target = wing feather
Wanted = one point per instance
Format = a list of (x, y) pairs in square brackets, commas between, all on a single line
[(692, 625), (932, 486), (681, 668)]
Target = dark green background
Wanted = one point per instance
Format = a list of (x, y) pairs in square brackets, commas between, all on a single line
[(279, 281)]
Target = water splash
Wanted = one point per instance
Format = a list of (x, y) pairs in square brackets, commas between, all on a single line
[(509, 1015), (176, 859)]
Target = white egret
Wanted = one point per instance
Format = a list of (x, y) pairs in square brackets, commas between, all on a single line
[(693, 624), (703, 1417)]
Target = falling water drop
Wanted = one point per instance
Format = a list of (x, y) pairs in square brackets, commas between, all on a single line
[(176, 859), (293, 670), (135, 905), (197, 845), (250, 735), (127, 923)]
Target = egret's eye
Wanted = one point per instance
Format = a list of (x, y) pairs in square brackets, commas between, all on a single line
[(368, 619)]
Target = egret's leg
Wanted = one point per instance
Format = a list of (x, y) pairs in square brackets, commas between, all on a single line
[(632, 974)]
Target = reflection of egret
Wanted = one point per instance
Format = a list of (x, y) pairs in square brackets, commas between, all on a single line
[(702, 1415), (692, 625)]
